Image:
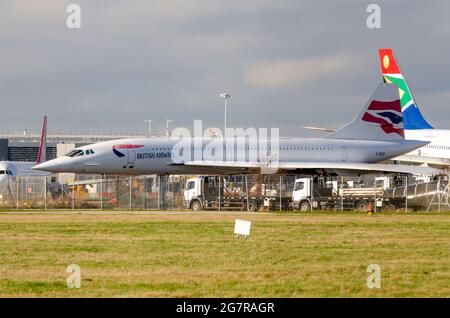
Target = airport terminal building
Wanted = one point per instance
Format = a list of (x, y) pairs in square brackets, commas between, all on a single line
[(24, 146)]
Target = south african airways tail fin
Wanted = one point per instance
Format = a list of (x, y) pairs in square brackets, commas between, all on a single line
[(412, 117), (380, 119)]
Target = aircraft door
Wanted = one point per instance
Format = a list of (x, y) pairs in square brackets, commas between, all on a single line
[(131, 157), (127, 154)]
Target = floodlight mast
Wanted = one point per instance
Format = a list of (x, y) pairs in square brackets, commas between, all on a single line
[(168, 121), (225, 96), (149, 122)]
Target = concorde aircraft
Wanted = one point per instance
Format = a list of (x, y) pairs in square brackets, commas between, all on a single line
[(373, 136), (23, 168)]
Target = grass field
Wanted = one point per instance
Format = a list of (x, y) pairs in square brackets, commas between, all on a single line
[(197, 255)]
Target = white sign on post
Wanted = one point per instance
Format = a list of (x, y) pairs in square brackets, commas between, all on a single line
[(242, 227)]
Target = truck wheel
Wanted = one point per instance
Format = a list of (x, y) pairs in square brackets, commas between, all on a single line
[(361, 206), (252, 206), (389, 207), (304, 206), (196, 206)]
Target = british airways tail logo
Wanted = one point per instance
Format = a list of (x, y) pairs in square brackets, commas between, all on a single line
[(387, 114), (124, 146)]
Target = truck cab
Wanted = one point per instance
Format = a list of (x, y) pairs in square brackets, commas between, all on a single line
[(193, 193), (301, 194), (204, 192)]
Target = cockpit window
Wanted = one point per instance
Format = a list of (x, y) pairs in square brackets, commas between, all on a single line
[(70, 153), (79, 153), (2, 171), (89, 152), (75, 153)]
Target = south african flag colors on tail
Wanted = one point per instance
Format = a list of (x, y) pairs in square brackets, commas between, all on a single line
[(412, 118)]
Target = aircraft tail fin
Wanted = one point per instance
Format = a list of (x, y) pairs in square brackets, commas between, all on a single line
[(43, 143), (380, 119), (412, 117)]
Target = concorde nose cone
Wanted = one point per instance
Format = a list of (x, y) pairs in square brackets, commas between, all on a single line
[(50, 166)]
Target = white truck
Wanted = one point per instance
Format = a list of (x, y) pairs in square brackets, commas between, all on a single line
[(319, 193), (234, 193)]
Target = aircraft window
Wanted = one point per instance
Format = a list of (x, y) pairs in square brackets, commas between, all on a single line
[(70, 153), (92, 152), (76, 153), (9, 173), (2, 171)]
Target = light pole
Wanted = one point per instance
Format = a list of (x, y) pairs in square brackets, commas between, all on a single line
[(149, 122), (168, 121), (225, 96)]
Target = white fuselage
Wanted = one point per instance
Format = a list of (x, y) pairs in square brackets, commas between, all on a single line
[(159, 155), (436, 153)]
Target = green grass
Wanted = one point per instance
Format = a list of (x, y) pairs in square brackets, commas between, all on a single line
[(183, 255)]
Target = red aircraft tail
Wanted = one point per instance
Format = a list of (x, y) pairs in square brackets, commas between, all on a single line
[(43, 143)]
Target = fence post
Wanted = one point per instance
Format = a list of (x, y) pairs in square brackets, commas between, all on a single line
[(439, 192), (26, 189), (145, 193), (45, 193), (101, 192), (220, 197), (131, 206), (281, 180), (73, 197), (17, 193), (159, 191), (406, 195), (375, 202), (246, 190)]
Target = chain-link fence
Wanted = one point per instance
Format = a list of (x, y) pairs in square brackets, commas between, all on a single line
[(241, 192)]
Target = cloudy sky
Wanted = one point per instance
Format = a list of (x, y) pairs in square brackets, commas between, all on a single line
[(287, 63)]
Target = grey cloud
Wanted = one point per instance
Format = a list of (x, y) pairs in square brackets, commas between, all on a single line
[(171, 59)]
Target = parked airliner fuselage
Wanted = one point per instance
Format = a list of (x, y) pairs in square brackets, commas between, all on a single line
[(167, 156), (438, 148)]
